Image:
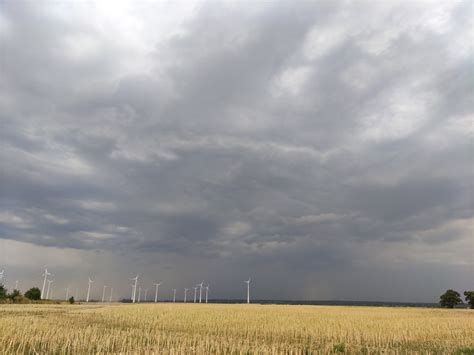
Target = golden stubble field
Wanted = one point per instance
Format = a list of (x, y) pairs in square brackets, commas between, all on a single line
[(232, 329)]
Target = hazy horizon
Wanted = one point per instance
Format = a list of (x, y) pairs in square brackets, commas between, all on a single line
[(323, 149)]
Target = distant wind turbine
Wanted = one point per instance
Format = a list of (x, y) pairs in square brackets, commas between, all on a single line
[(248, 290), (146, 291), (174, 295), (156, 292), (45, 274), (195, 291), (89, 289), (207, 291), (185, 294), (103, 293), (111, 291), (200, 290), (49, 286), (134, 290), (67, 292)]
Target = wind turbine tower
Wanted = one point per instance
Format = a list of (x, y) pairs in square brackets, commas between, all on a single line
[(49, 287), (103, 293), (195, 291), (89, 289), (156, 292), (185, 293), (67, 292), (207, 291), (248, 290), (134, 291), (45, 274), (200, 290), (146, 291)]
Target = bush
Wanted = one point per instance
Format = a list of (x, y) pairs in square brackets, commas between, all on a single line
[(71, 300), (33, 294), (3, 292)]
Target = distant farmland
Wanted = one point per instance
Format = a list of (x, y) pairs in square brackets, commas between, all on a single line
[(219, 328)]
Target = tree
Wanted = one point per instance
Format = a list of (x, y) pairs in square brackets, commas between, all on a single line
[(33, 294), (469, 296), (450, 298), (71, 300), (3, 292), (15, 294)]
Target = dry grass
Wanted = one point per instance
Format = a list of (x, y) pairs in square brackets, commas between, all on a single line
[(222, 329)]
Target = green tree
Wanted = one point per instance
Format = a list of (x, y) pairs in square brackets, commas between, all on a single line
[(450, 298), (469, 296), (71, 300), (15, 294), (3, 292), (33, 294)]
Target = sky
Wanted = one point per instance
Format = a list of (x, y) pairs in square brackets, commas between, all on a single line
[(323, 149)]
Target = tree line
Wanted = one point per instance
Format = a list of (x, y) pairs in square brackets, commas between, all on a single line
[(452, 298), (33, 294)]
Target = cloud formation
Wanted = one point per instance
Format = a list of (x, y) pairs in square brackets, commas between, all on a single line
[(325, 143)]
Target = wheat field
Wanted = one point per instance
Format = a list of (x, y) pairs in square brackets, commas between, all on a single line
[(232, 329)]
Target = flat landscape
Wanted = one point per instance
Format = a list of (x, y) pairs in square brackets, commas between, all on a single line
[(224, 329)]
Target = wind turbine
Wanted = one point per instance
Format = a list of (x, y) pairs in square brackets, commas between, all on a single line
[(200, 290), (156, 292), (207, 291), (134, 291), (111, 291), (195, 291), (185, 293), (103, 293), (174, 295), (146, 291), (139, 294), (248, 290), (45, 274), (67, 292), (49, 286), (89, 289)]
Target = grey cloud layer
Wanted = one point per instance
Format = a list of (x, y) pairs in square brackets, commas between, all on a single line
[(301, 137)]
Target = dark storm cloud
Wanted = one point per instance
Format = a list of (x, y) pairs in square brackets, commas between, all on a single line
[(299, 135)]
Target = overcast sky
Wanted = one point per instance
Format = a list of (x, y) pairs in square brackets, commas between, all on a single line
[(324, 149)]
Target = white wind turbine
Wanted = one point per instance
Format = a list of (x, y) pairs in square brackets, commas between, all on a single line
[(49, 286), (207, 291), (156, 292), (103, 293), (248, 290), (111, 291), (200, 290), (134, 291), (89, 289), (174, 295), (185, 294), (67, 292), (195, 291), (45, 274)]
